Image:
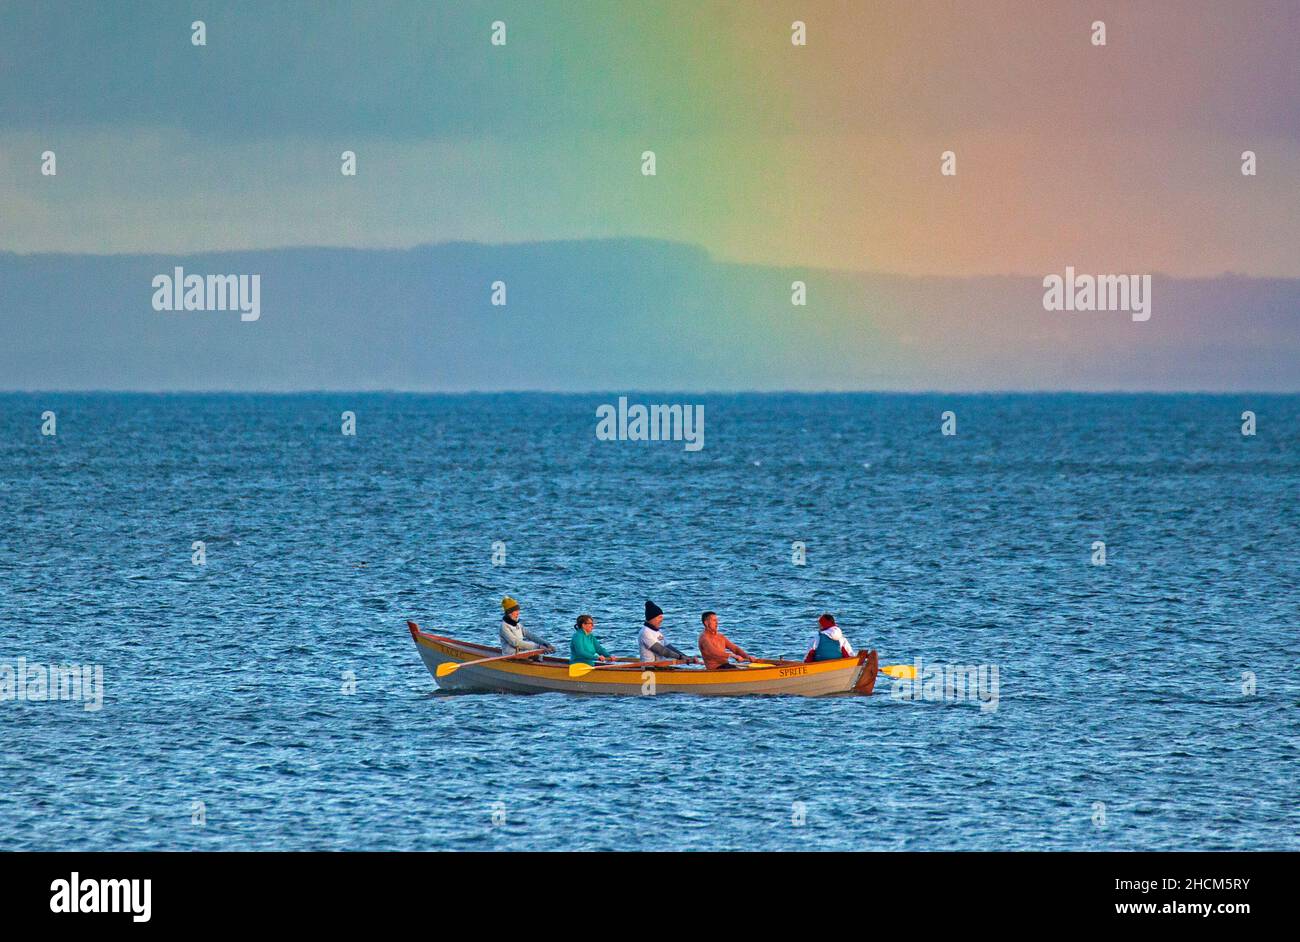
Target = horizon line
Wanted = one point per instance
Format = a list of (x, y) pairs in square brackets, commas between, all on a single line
[(654, 240)]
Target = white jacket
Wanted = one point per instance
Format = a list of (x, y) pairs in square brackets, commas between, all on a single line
[(649, 638), (516, 638), (834, 633)]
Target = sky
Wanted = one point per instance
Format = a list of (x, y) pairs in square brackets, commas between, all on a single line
[(1117, 158)]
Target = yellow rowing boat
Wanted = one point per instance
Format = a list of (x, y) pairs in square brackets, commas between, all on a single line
[(551, 674)]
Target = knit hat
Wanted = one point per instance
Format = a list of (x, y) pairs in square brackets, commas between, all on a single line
[(827, 621), (509, 604), (652, 610)]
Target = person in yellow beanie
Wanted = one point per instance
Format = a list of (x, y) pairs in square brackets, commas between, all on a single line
[(514, 636)]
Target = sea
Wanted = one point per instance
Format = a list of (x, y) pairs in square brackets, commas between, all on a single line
[(231, 575)]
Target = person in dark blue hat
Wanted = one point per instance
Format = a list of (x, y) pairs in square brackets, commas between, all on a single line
[(651, 640)]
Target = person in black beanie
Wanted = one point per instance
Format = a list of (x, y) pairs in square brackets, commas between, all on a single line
[(651, 640)]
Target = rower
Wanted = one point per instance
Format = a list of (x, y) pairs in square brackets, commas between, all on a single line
[(716, 647), (651, 640), (830, 643), (515, 638), (584, 648)]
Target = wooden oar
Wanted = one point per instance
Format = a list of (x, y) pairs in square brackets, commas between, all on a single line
[(635, 663), (450, 667), (580, 669), (897, 671)]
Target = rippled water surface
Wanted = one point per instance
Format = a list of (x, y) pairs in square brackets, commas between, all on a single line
[(1123, 718)]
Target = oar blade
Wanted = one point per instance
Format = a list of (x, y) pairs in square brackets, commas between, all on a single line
[(580, 670), (447, 667), (899, 671)]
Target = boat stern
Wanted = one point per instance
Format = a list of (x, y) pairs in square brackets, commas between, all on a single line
[(870, 669)]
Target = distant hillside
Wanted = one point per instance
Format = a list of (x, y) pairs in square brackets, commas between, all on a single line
[(617, 315)]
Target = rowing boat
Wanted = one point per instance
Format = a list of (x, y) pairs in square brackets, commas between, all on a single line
[(551, 674)]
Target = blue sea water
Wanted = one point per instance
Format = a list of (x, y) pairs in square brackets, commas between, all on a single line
[(274, 695)]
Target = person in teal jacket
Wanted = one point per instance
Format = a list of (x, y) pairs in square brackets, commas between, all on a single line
[(584, 648)]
